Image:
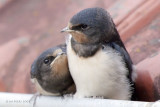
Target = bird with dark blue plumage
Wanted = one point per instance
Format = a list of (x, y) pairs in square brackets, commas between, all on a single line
[(98, 60), (50, 72)]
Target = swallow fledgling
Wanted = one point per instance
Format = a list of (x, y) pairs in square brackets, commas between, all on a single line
[(50, 72), (98, 60)]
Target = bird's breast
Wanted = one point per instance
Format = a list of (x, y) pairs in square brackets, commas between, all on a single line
[(103, 74)]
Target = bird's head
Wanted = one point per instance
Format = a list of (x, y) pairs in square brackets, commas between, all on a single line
[(51, 70), (91, 25), (48, 63)]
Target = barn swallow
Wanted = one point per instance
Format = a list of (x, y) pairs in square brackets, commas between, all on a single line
[(50, 72), (98, 60)]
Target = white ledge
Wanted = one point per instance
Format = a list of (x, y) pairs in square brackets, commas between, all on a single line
[(22, 100)]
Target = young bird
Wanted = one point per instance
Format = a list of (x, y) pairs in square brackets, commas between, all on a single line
[(50, 72), (98, 60)]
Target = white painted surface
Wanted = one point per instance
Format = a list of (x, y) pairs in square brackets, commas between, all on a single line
[(22, 100)]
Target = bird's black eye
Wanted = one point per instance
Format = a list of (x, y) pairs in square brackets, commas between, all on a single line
[(83, 26), (48, 60)]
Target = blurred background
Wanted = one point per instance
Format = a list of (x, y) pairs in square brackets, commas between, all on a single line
[(28, 27)]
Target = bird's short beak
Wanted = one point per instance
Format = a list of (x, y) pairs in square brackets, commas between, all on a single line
[(61, 53), (66, 29)]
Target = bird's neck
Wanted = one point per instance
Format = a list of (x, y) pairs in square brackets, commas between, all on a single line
[(85, 50)]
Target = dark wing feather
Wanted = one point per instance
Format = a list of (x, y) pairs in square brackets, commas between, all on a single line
[(124, 54)]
